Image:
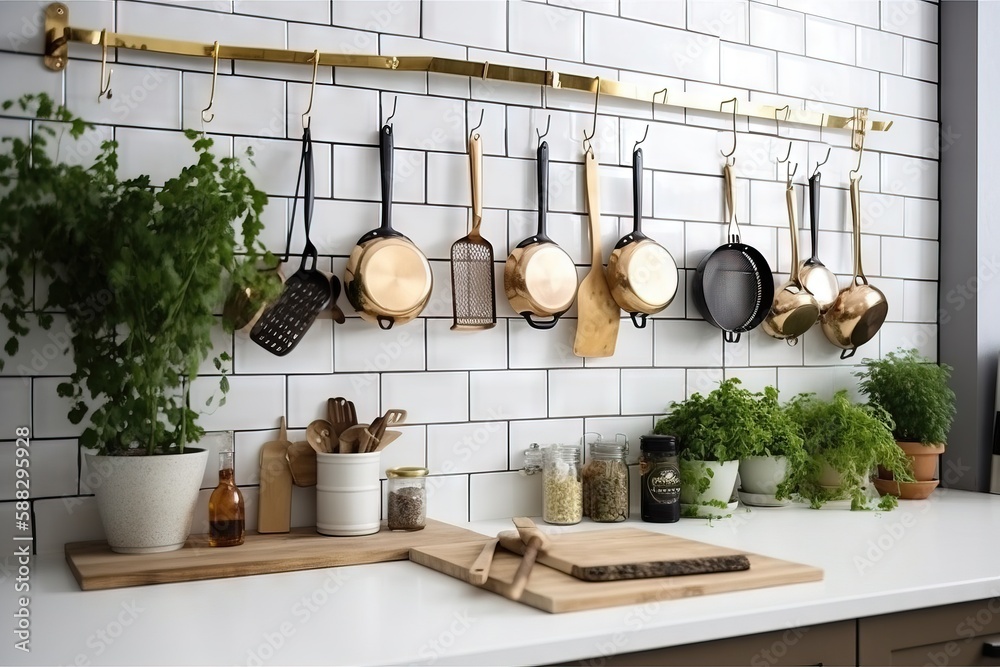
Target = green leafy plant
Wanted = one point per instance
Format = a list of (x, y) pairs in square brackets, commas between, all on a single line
[(137, 270), (729, 424), (722, 426), (852, 439), (915, 391)]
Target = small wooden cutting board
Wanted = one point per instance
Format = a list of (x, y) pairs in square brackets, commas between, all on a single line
[(553, 591), (632, 554)]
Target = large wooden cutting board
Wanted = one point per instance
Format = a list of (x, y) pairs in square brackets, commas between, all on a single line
[(96, 567), (633, 554), (553, 591)]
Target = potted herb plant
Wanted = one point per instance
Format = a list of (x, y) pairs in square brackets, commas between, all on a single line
[(138, 272), (845, 442), (713, 432), (915, 392), (767, 463)]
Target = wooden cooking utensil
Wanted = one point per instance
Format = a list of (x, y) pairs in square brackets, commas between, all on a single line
[(390, 418), (319, 435), (350, 439), (534, 541), (597, 326), (479, 571), (274, 507), (337, 415), (301, 459), (387, 438)]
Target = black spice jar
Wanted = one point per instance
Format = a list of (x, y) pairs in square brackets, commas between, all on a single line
[(661, 479)]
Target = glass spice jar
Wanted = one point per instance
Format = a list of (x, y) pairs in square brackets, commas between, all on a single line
[(661, 479), (605, 482), (407, 498), (562, 487)]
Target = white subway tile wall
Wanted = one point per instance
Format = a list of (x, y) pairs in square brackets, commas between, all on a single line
[(477, 400)]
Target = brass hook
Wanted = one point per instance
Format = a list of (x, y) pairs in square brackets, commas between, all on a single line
[(105, 87), (588, 146), (391, 115), (777, 131), (860, 123), (306, 122), (652, 108), (482, 114), (215, 75), (736, 104), (825, 160)]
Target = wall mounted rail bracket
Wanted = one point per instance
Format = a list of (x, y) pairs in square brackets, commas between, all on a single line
[(59, 33)]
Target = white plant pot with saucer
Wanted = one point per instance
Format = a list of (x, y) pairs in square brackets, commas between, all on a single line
[(762, 474), (720, 488), (146, 503)]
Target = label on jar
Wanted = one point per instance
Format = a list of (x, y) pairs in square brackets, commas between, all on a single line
[(663, 483)]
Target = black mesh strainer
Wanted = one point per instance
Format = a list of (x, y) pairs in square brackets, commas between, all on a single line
[(306, 292), (733, 285)]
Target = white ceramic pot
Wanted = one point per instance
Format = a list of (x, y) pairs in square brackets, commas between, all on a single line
[(723, 481), (828, 476), (147, 503), (348, 494), (763, 474)]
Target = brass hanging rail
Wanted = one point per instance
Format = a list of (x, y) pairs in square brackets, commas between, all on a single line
[(58, 35)]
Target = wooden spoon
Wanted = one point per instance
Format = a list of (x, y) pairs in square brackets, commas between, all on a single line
[(479, 571), (319, 435), (351, 438)]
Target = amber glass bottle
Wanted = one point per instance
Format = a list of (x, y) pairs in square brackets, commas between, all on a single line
[(226, 519)]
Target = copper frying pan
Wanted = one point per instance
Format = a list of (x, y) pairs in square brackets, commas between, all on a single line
[(860, 309)]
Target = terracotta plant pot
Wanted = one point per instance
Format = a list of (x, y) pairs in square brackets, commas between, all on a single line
[(923, 465)]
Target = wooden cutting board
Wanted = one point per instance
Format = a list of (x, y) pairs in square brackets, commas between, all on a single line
[(633, 554), (553, 591), (96, 567)]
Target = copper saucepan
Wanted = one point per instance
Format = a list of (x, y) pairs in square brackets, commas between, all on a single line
[(642, 273), (794, 310), (860, 309), (388, 280), (539, 277)]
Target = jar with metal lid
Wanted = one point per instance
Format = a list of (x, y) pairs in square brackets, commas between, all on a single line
[(562, 487), (605, 482), (407, 498), (661, 479)]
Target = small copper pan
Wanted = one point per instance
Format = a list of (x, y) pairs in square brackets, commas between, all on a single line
[(794, 310), (860, 309)]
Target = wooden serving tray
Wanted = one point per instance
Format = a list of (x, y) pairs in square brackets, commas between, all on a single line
[(96, 567)]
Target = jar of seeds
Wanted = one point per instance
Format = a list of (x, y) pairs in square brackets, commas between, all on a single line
[(605, 482), (562, 488), (407, 498)]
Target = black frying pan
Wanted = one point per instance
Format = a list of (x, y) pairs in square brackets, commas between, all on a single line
[(733, 285)]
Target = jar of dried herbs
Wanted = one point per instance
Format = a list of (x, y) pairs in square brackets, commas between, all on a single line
[(605, 483), (562, 487), (407, 498)]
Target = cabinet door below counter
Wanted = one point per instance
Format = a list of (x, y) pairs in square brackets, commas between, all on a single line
[(967, 633), (827, 644)]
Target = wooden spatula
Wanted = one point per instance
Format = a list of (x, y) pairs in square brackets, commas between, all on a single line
[(597, 326), (479, 571), (274, 511)]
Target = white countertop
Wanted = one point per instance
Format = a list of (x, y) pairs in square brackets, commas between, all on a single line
[(926, 553)]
